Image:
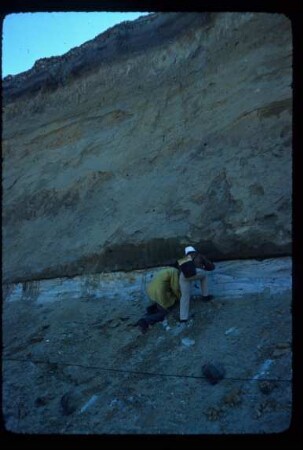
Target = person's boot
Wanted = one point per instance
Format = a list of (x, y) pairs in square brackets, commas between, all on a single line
[(143, 325), (206, 298), (152, 308)]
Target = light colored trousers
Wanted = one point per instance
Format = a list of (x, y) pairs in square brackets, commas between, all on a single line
[(185, 287)]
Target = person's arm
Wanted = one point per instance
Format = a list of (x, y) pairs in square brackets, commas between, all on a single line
[(206, 263)]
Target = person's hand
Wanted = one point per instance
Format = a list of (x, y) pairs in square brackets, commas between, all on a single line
[(204, 263), (208, 266)]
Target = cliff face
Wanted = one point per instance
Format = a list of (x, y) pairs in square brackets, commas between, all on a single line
[(171, 130)]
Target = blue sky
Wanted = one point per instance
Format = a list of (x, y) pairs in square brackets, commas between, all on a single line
[(27, 37)]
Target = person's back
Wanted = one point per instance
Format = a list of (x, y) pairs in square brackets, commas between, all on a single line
[(164, 288)]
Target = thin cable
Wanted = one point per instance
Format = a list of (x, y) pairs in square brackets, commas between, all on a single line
[(134, 372)]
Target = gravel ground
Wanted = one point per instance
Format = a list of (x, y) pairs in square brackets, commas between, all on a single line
[(80, 366)]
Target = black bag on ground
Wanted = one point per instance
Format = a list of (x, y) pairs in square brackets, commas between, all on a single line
[(187, 267)]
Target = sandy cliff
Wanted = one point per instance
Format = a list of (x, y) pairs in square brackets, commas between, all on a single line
[(173, 129)]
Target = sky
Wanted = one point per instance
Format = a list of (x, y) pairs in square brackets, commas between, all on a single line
[(27, 37)]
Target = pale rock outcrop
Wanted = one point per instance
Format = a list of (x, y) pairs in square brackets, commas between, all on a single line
[(174, 129), (230, 281)]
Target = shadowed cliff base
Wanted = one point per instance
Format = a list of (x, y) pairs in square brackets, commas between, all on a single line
[(159, 252)]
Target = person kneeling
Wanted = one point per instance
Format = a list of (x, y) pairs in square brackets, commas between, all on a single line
[(164, 291)]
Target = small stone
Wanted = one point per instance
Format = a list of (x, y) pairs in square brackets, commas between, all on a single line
[(188, 342), (233, 398), (280, 352), (114, 323), (232, 331), (283, 345), (41, 401), (266, 387), (213, 372), (69, 402), (196, 298), (213, 413)]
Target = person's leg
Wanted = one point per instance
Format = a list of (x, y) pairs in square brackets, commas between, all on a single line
[(152, 308), (157, 316), (202, 277), (185, 296), (152, 318), (185, 287), (204, 285)]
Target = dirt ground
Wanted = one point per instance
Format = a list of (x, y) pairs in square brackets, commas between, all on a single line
[(80, 366)]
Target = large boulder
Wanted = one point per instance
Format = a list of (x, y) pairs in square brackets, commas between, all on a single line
[(171, 130)]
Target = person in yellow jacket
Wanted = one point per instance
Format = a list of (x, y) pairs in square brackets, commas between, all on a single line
[(164, 291)]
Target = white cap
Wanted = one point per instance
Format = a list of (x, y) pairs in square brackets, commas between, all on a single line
[(189, 250)]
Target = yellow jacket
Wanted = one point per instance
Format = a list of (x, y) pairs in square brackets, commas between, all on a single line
[(164, 288)]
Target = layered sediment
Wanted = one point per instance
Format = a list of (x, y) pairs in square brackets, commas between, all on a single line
[(171, 130)]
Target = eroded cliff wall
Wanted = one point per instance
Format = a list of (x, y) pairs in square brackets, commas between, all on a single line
[(173, 129)]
